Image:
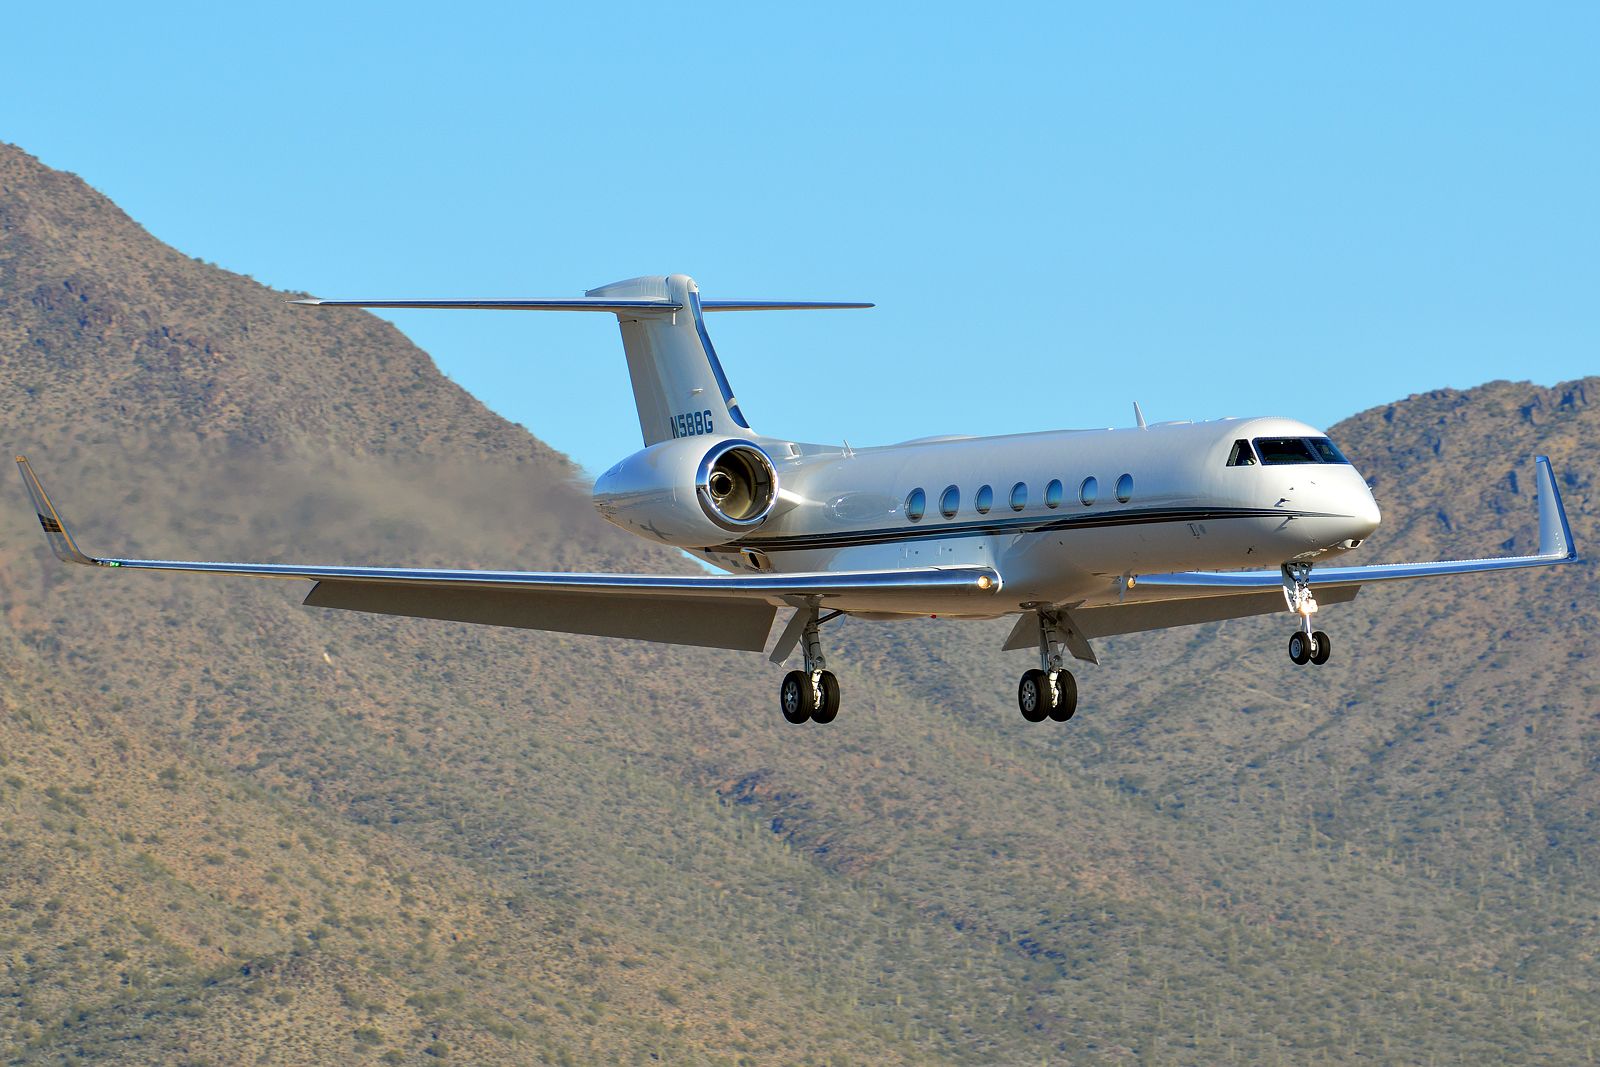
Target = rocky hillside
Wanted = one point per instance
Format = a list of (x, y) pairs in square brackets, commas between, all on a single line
[(235, 826)]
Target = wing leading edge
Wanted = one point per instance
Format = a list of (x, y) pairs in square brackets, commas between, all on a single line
[(720, 611)]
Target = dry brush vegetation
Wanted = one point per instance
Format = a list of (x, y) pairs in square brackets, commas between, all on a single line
[(235, 828)]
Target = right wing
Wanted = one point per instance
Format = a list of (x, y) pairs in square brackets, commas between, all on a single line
[(719, 611)]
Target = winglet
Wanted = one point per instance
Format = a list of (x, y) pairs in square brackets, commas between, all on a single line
[(1555, 534), (55, 531)]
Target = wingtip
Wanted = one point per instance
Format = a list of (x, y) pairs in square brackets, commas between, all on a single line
[(56, 532), (1555, 530)]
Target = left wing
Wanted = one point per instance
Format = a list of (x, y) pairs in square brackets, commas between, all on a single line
[(720, 611)]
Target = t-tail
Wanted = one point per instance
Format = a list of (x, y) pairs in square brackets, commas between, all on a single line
[(679, 386)]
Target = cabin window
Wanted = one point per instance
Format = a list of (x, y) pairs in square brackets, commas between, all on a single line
[(984, 500), (916, 505), (1242, 455), (950, 502), (1124, 488), (1089, 491), (1019, 496), (1278, 451), (1052, 494)]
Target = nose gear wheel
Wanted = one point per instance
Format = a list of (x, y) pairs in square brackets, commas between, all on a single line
[(1305, 644)]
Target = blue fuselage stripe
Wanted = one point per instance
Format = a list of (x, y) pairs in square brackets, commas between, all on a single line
[(1001, 527), (716, 364)]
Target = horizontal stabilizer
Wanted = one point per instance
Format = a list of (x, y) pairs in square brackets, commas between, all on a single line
[(616, 307), (781, 305)]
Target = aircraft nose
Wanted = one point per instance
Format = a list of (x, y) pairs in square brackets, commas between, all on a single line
[(1364, 515)]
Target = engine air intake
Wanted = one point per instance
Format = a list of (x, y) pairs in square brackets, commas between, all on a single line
[(737, 485)]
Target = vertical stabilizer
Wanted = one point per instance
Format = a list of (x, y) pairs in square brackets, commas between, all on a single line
[(678, 383)]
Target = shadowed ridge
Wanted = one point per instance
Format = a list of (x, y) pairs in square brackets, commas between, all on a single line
[(107, 329)]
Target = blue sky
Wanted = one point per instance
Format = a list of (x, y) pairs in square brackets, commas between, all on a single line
[(1213, 209)]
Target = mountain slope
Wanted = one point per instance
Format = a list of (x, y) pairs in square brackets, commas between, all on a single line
[(1220, 858)]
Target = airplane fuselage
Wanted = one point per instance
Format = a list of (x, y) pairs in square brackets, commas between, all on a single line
[(1093, 507)]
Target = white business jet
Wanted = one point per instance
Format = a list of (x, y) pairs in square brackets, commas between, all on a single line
[(1079, 533)]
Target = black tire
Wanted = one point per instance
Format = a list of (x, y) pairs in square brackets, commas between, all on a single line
[(830, 699), (1033, 696), (795, 698), (1324, 648), (1299, 648), (1067, 703)]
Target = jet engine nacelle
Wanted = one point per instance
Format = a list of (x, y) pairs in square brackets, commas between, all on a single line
[(693, 492)]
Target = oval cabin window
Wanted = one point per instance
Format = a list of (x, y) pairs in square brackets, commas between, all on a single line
[(1124, 488), (984, 500), (950, 502), (1089, 491), (1019, 496), (916, 505)]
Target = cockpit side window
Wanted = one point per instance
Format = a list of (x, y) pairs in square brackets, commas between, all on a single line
[(1276, 451), (1242, 455), (1327, 451)]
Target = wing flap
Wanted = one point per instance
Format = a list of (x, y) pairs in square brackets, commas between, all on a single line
[(708, 621)]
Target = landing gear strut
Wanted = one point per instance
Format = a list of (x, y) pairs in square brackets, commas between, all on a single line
[(1050, 691), (812, 693), (1305, 644)]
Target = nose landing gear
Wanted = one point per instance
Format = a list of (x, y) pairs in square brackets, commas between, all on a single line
[(1305, 644), (1049, 691)]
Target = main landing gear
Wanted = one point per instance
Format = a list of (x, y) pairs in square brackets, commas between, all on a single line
[(813, 693), (1305, 644), (1049, 691)]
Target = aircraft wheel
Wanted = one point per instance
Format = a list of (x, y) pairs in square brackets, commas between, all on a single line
[(1324, 648), (1299, 648), (1067, 706), (1033, 696), (795, 697), (830, 699)]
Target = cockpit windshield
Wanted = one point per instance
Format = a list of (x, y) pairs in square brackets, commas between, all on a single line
[(1327, 451), (1241, 456), (1277, 451)]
